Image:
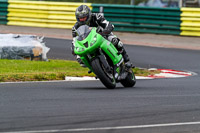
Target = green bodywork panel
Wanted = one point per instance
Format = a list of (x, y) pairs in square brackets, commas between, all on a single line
[(94, 42)]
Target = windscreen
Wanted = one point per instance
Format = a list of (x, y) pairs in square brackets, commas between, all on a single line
[(83, 31)]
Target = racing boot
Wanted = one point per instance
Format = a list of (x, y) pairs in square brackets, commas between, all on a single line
[(122, 50), (125, 55), (126, 58), (80, 61), (119, 45)]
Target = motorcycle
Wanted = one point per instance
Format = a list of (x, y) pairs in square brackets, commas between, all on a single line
[(102, 58)]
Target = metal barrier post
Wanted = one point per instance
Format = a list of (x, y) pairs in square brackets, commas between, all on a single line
[(101, 10), (132, 2), (180, 3)]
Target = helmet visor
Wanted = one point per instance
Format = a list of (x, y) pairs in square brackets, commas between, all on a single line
[(82, 19)]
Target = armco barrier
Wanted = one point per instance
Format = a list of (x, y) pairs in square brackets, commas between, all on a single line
[(142, 19), (190, 18), (42, 13), (3, 11), (184, 21)]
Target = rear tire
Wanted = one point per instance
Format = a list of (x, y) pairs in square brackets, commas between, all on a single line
[(130, 80), (101, 74)]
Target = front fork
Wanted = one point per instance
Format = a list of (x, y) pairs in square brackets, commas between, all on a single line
[(88, 59), (116, 70)]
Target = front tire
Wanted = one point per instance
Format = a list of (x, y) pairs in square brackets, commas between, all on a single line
[(130, 80), (101, 74)]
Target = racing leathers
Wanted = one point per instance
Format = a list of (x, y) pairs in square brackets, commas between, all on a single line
[(97, 19)]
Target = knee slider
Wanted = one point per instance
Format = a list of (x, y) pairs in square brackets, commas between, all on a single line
[(120, 44), (115, 41)]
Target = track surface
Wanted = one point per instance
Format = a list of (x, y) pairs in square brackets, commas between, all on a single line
[(60, 106)]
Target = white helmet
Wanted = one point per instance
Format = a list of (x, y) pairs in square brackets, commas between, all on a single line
[(83, 14)]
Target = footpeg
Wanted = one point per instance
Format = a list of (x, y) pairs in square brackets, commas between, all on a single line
[(129, 65)]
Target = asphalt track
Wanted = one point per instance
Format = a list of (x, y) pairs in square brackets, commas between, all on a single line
[(152, 106)]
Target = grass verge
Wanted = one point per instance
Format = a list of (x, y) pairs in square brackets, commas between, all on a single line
[(24, 70)]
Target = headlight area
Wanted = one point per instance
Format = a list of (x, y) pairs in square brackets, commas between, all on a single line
[(94, 40)]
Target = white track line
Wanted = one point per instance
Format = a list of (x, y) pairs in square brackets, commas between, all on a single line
[(25, 82), (109, 128), (66, 79)]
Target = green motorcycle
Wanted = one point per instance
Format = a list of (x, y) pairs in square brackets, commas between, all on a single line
[(102, 58)]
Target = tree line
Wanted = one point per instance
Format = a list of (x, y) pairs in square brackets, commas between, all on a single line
[(103, 1)]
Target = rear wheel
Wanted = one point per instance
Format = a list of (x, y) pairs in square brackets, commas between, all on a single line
[(130, 80), (106, 78)]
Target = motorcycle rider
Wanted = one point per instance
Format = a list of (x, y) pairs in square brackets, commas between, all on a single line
[(85, 16)]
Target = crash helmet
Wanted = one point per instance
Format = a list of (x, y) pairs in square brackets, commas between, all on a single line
[(83, 14)]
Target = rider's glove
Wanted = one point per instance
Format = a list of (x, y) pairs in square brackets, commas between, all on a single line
[(74, 32), (99, 30), (72, 48)]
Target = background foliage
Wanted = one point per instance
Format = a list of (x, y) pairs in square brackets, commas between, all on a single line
[(103, 1)]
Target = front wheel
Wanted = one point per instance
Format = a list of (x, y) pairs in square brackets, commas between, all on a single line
[(130, 80), (106, 78)]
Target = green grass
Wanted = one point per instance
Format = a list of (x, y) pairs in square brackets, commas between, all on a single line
[(24, 70)]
